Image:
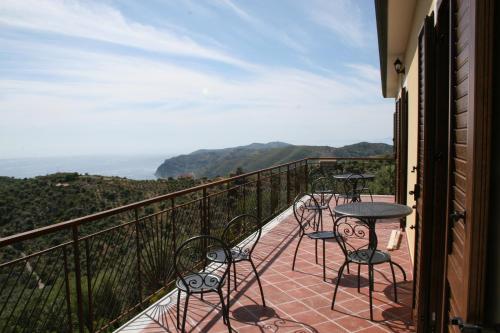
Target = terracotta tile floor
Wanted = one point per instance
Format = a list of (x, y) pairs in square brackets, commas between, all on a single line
[(297, 301)]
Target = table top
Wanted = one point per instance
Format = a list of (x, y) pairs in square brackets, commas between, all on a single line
[(354, 176), (374, 210)]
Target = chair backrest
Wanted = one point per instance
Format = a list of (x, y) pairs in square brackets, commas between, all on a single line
[(192, 259), (353, 236), (242, 233), (323, 190), (307, 210), (354, 185)]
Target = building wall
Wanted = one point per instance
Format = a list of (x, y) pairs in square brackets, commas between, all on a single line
[(422, 9)]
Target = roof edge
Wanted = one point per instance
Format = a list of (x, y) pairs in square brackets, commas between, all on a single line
[(381, 8)]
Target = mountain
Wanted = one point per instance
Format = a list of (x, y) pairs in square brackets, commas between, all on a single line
[(221, 162)]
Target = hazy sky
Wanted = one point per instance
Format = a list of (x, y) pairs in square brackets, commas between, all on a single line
[(130, 76)]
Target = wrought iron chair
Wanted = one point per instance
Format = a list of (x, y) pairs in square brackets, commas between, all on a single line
[(242, 235), (196, 274), (307, 212), (354, 186), (324, 191), (358, 242)]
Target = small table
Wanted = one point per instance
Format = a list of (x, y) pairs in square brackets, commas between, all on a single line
[(367, 213), (344, 176), (370, 212)]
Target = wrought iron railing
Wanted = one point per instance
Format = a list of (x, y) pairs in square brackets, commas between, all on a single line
[(92, 273)]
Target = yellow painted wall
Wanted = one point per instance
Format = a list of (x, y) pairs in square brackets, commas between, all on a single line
[(410, 81)]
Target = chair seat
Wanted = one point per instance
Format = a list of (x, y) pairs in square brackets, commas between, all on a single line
[(316, 207), (321, 235), (363, 256), (200, 283), (219, 256)]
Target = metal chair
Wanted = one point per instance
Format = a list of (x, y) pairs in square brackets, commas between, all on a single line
[(354, 186), (324, 191), (358, 242), (242, 235), (307, 212), (196, 274)]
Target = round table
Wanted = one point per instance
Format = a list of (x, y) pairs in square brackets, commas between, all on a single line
[(369, 213), (373, 210), (354, 176)]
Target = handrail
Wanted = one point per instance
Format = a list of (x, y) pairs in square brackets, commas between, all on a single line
[(8, 240)]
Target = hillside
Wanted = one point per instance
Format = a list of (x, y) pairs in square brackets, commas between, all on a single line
[(221, 162), (31, 203)]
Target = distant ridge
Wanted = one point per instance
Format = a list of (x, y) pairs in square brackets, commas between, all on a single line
[(222, 162)]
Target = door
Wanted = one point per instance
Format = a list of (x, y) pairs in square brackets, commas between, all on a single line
[(469, 161)]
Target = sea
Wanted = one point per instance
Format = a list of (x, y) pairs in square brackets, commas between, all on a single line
[(132, 167)]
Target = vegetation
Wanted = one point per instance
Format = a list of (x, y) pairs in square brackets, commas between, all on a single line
[(31, 203), (211, 163)]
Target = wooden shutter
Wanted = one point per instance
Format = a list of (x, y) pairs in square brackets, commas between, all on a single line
[(422, 190), (403, 147), (396, 150), (470, 132)]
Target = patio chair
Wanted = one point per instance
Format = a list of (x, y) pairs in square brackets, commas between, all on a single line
[(196, 274), (359, 245), (242, 234), (324, 191), (354, 186), (308, 214)]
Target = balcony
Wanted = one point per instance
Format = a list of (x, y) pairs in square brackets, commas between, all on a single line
[(113, 270), (296, 300)]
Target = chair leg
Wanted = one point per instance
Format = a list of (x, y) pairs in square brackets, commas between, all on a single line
[(359, 277), (394, 282), (324, 262), (316, 250), (339, 276), (371, 196), (258, 281), (401, 268), (184, 315), (370, 284), (178, 308), (348, 271), (234, 276), (225, 311), (228, 284), (296, 250)]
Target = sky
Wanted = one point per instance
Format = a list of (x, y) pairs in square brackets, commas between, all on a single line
[(168, 77)]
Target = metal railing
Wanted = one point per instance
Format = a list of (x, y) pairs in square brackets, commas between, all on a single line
[(92, 273)]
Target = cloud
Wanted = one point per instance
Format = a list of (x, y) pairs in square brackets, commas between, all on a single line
[(102, 23), (342, 17), (264, 28)]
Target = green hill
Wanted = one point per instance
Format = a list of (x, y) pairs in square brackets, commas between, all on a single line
[(221, 162), (31, 203)]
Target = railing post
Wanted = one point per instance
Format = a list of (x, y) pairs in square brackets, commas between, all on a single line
[(89, 286), (68, 290), (204, 212), (288, 184), (138, 250), (174, 232), (306, 176), (78, 279), (259, 197)]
